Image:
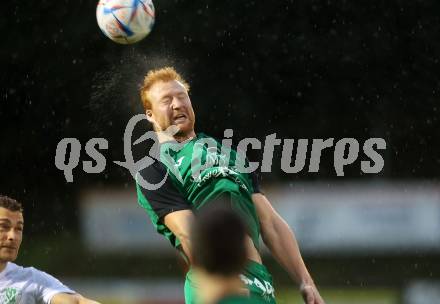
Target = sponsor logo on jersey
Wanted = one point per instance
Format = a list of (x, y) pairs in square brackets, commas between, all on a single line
[(8, 295), (264, 286), (179, 161)]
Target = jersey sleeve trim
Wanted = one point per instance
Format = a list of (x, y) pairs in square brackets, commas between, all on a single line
[(162, 201)]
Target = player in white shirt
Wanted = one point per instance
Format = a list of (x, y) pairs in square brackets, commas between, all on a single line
[(20, 285)]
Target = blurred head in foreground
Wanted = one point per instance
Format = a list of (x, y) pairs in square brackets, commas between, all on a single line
[(219, 254), (219, 242), (11, 229)]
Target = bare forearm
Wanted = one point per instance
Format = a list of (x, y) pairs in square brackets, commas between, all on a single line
[(186, 247), (87, 301), (64, 298), (281, 241), (179, 223)]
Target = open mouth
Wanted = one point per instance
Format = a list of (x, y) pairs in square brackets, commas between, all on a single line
[(9, 247), (179, 117)]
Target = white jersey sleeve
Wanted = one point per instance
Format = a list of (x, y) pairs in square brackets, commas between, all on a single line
[(47, 286)]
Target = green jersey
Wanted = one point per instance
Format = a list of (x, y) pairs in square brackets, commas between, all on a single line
[(255, 276), (193, 174)]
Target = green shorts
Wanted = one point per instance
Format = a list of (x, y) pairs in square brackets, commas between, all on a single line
[(256, 278)]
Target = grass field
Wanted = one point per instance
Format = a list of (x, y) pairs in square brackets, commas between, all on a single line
[(285, 296), (344, 296)]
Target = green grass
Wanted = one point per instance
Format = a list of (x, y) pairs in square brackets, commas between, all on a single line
[(344, 296), (331, 296)]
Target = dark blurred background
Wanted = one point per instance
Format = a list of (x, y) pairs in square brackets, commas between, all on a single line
[(302, 69)]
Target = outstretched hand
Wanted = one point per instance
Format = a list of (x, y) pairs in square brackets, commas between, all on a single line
[(311, 294)]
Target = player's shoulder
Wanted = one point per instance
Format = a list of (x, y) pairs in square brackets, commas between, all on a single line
[(153, 173), (35, 273), (201, 135), (41, 278), (12, 268), (20, 272)]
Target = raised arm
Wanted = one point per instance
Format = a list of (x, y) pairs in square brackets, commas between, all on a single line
[(179, 222), (281, 241), (66, 298), (166, 206)]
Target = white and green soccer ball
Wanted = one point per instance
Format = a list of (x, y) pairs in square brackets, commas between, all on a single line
[(125, 21)]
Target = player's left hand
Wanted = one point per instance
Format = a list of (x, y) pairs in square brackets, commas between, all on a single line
[(311, 294)]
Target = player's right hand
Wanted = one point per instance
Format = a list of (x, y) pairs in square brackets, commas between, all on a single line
[(311, 294)]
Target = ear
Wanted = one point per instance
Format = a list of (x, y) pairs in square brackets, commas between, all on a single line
[(149, 115)]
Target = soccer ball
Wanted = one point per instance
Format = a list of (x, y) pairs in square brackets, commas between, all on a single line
[(125, 21)]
